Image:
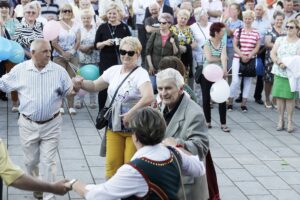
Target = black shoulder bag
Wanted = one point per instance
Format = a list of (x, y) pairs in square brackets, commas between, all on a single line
[(246, 69), (105, 114)]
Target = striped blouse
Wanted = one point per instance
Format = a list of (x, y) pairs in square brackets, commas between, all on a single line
[(25, 34), (40, 92), (248, 41)]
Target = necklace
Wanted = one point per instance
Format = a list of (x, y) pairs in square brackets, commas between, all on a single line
[(112, 30)]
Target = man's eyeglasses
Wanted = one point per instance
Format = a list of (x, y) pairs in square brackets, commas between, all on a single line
[(30, 12), (163, 23), (129, 53), (67, 11), (290, 27)]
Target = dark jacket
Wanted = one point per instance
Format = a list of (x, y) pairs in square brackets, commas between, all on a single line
[(156, 51)]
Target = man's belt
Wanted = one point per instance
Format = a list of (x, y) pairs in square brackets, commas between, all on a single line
[(41, 122)]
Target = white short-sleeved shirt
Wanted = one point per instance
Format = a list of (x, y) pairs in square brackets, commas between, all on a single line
[(130, 88)]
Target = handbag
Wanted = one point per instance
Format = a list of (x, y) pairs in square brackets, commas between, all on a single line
[(260, 67), (105, 114), (248, 69)]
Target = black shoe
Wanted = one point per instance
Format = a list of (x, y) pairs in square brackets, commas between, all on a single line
[(239, 100), (3, 98), (229, 108), (244, 109), (259, 101)]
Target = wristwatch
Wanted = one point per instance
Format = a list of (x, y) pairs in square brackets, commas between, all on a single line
[(72, 182)]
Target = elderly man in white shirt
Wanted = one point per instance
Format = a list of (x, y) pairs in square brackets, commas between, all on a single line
[(154, 168), (41, 86)]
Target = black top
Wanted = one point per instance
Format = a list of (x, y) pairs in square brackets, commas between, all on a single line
[(109, 54), (168, 115)]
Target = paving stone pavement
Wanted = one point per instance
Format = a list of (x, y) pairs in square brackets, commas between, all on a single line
[(253, 161)]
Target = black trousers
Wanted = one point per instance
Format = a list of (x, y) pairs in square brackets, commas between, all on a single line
[(142, 36), (1, 188), (205, 87), (2, 72), (102, 96), (259, 79)]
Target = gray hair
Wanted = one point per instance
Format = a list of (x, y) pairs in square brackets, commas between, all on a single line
[(166, 16), (30, 6), (171, 74), (36, 44), (278, 13), (199, 12)]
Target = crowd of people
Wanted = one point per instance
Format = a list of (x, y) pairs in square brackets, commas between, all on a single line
[(147, 52)]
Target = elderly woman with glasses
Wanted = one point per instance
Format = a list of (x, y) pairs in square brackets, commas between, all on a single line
[(286, 46), (134, 93), (153, 172), (161, 44), (29, 29)]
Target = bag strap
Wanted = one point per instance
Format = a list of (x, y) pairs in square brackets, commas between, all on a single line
[(172, 150), (239, 38), (116, 92)]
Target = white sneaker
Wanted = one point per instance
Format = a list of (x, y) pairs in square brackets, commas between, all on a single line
[(72, 111), (15, 109), (62, 111)]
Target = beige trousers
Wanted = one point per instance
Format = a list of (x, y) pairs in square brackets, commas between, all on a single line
[(40, 142)]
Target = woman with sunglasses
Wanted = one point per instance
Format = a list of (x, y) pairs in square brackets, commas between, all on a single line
[(161, 44), (65, 47), (285, 47), (135, 92), (107, 40)]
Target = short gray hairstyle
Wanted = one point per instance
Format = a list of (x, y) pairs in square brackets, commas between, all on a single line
[(199, 12), (171, 74), (36, 44), (30, 6)]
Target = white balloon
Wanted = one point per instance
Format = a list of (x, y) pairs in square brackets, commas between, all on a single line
[(220, 91)]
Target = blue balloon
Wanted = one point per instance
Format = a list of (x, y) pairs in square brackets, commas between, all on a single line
[(5, 48), (89, 72), (17, 53)]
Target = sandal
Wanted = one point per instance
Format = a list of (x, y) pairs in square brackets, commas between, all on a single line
[(225, 129)]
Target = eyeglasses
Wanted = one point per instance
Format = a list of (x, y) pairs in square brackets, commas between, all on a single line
[(129, 53), (163, 23), (290, 27), (67, 11), (30, 12)]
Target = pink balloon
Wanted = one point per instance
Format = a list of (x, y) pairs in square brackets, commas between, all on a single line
[(81, 93), (213, 72), (51, 30)]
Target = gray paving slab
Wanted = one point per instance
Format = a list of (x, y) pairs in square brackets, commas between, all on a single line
[(253, 162)]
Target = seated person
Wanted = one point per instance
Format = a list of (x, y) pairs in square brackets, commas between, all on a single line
[(154, 167)]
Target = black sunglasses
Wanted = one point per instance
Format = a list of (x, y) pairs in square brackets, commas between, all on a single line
[(67, 11), (290, 27), (129, 53), (163, 23)]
